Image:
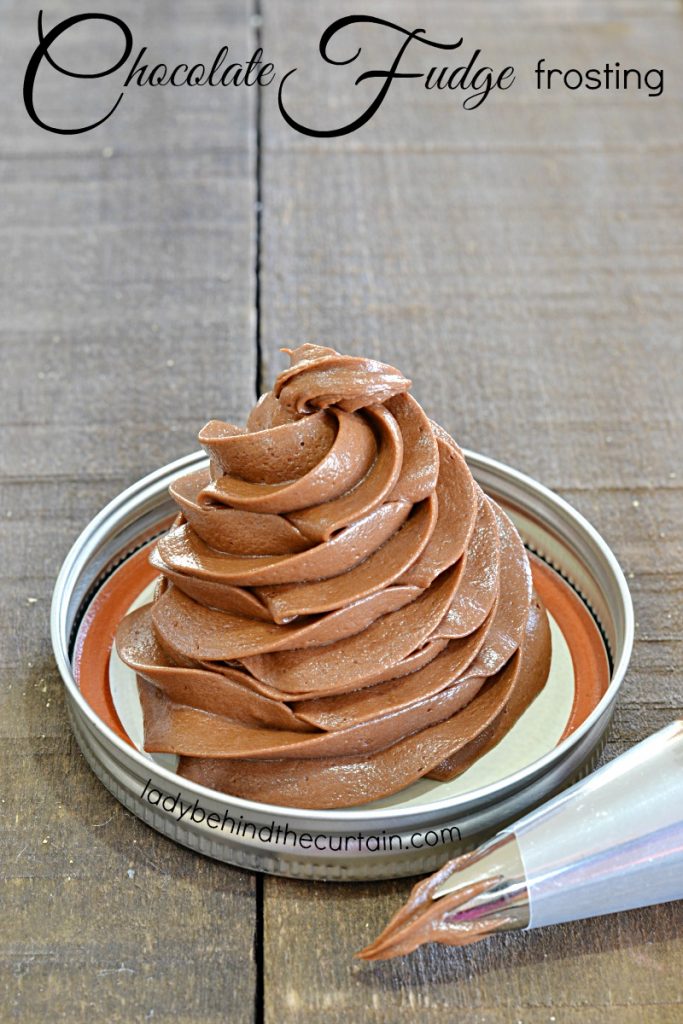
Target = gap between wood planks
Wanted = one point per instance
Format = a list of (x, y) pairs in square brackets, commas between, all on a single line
[(257, 22)]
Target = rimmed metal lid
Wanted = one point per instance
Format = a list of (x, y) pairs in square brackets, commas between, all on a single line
[(549, 526)]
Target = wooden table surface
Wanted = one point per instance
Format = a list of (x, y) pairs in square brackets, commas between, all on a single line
[(523, 263)]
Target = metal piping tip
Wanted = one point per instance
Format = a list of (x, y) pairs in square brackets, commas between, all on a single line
[(473, 896)]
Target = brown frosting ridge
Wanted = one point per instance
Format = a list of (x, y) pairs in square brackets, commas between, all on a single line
[(340, 610)]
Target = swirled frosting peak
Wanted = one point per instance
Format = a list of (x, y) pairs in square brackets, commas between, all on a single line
[(340, 609), (319, 377)]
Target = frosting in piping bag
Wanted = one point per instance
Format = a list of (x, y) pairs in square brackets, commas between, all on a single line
[(340, 610)]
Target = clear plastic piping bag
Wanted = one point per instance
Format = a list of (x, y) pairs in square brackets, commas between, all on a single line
[(611, 842)]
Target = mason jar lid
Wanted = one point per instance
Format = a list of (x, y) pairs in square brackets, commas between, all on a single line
[(557, 739)]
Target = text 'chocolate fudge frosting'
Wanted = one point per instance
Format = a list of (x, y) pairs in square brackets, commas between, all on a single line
[(340, 610)]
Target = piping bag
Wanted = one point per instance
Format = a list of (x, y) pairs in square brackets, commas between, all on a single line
[(612, 842)]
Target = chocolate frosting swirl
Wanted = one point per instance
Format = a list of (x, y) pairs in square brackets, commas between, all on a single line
[(340, 609)]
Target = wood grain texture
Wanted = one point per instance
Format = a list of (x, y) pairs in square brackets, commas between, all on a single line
[(127, 299), (523, 263)]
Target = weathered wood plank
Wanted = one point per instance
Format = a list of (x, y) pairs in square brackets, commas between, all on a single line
[(127, 291), (532, 250), (523, 264), (623, 967)]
